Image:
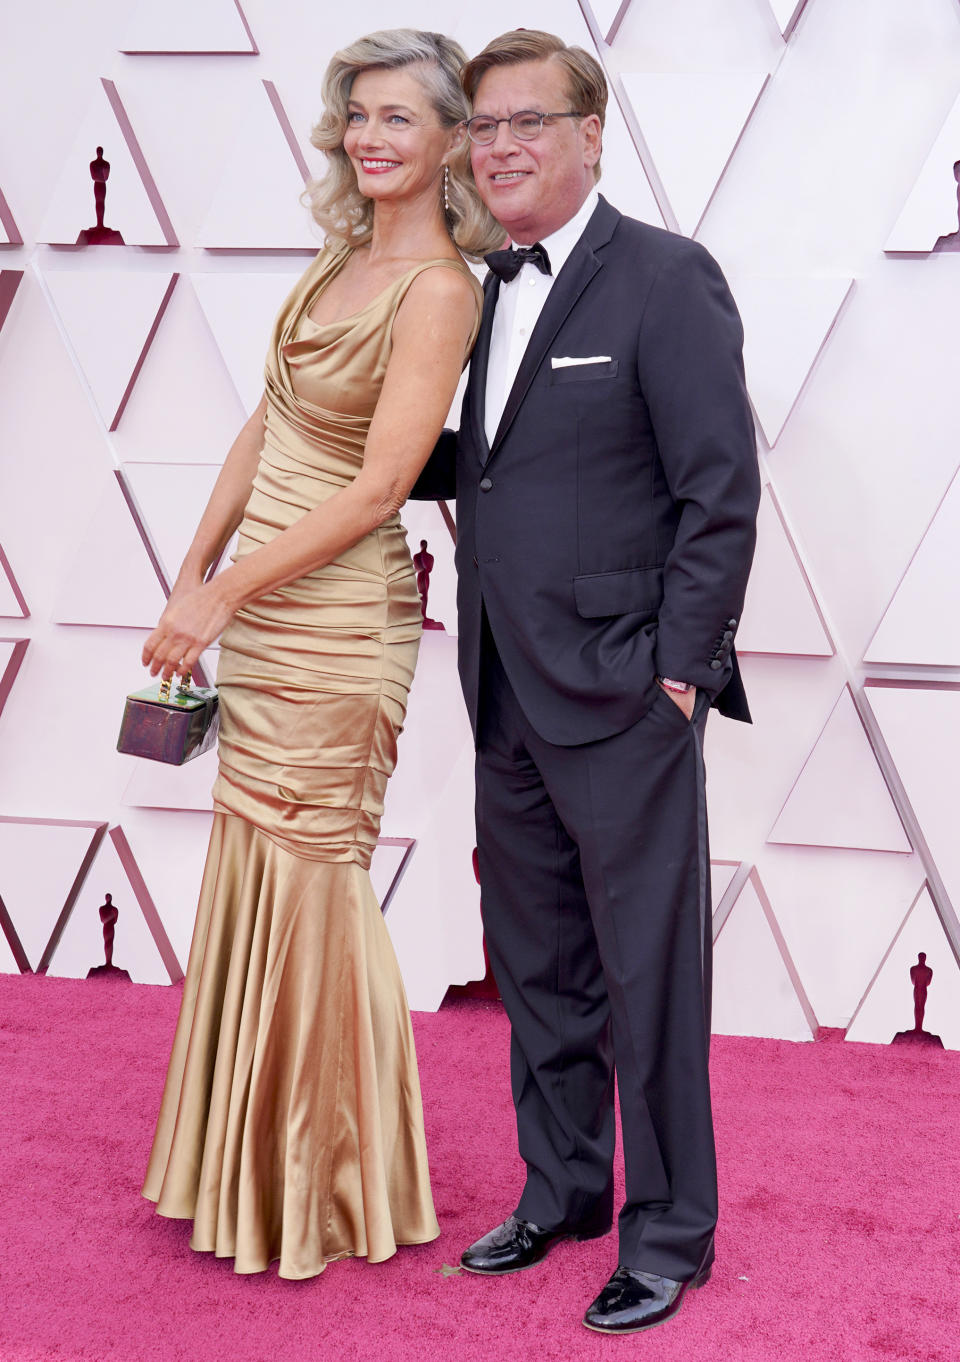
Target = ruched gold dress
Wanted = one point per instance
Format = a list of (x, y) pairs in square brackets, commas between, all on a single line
[(291, 1124)]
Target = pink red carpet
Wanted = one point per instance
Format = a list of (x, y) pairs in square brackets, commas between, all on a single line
[(839, 1240)]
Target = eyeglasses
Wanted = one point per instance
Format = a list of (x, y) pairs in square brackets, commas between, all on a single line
[(525, 125)]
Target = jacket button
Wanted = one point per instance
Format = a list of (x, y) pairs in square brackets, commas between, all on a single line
[(716, 664), (485, 484)]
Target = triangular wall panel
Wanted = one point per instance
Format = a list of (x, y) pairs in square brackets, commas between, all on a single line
[(241, 309), (691, 122), (272, 216), (110, 318), (786, 323), (755, 989), (13, 958), (726, 881), (158, 785), (133, 204), (840, 798), (12, 603), (170, 849), (920, 623), (931, 211), (753, 766), (185, 360), (216, 27), (787, 14), (107, 576), (12, 653), (838, 911), (694, 35), (9, 283), (136, 948), (9, 231), (780, 614), (721, 873), (434, 915), (56, 456), (624, 181), (171, 498), (608, 14), (921, 727), (887, 1007), (42, 866), (391, 856)]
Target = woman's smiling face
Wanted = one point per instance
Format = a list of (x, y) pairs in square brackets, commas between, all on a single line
[(394, 137)]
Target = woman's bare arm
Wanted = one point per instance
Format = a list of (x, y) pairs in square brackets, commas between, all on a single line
[(224, 510), (430, 335)]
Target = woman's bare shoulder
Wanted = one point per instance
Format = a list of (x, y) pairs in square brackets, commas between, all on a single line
[(445, 283)]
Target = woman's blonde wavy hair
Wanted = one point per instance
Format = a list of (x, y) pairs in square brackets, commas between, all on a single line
[(336, 202)]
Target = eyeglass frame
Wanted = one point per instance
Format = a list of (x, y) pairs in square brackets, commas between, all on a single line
[(519, 114)]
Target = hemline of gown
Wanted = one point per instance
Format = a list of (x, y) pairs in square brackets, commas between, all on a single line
[(293, 1003), (305, 1276)]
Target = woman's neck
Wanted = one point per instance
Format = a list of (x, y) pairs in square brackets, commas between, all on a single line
[(413, 229)]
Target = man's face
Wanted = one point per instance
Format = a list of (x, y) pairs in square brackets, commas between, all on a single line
[(533, 188)]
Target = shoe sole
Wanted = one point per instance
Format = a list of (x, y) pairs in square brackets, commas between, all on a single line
[(695, 1285), (640, 1328)]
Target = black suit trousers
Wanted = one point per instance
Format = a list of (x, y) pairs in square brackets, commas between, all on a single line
[(594, 869)]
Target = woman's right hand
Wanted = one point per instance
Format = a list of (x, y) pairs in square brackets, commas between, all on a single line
[(185, 583), (190, 623)]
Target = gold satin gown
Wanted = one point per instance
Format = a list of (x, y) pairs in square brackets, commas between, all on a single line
[(291, 1124)]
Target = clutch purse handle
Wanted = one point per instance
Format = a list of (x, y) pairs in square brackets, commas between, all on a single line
[(183, 687)]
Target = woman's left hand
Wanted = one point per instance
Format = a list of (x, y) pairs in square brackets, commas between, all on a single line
[(189, 624)]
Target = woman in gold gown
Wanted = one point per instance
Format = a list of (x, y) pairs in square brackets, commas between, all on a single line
[(291, 1123)]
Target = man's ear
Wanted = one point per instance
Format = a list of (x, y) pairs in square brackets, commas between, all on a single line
[(592, 134)]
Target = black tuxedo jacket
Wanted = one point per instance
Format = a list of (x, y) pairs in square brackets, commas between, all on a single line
[(609, 529)]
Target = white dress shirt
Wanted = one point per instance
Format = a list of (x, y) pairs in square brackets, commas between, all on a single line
[(519, 305)]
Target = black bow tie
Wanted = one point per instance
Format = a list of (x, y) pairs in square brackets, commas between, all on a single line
[(508, 264)]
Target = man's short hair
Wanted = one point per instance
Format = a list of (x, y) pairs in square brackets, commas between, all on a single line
[(586, 82)]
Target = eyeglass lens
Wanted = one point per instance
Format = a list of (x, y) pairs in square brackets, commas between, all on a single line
[(525, 125)]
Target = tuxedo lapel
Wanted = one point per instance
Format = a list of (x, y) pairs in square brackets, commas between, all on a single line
[(582, 265), (477, 382)]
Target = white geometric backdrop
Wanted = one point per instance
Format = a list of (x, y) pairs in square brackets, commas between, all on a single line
[(810, 147)]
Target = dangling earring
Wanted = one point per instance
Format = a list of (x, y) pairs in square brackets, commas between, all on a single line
[(446, 189)]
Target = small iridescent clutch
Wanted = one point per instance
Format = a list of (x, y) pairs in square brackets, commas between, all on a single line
[(169, 727)]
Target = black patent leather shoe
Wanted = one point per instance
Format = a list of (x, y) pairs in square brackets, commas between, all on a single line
[(634, 1300), (519, 1244)]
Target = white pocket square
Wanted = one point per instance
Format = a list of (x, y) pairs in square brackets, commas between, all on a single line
[(563, 362)]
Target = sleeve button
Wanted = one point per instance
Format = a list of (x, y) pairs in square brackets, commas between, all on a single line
[(716, 664)]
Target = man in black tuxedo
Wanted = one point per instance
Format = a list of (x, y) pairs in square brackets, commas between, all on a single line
[(607, 488)]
